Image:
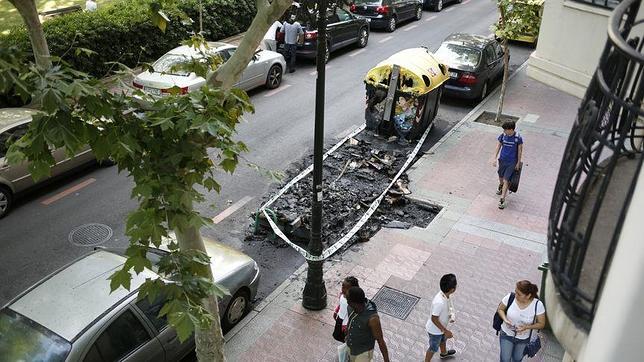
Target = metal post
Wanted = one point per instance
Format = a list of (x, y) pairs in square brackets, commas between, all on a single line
[(314, 295)]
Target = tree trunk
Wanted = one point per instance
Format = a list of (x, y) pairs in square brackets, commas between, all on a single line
[(504, 83), (29, 14), (209, 341), (267, 13)]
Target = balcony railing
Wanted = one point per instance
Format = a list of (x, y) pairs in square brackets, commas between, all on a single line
[(599, 169)]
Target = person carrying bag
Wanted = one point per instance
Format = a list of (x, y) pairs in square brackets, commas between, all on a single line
[(521, 312), (341, 317)]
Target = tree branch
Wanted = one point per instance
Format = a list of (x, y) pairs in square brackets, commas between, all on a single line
[(29, 14), (229, 73)]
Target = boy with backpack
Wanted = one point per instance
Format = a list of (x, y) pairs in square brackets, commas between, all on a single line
[(510, 145)]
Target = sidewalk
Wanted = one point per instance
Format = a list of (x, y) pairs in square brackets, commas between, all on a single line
[(488, 249)]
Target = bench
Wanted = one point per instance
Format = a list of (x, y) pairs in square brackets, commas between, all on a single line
[(60, 11)]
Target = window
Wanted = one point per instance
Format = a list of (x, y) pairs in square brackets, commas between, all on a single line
[(458, 55), (332, 19), (343, 15), (10, 136), (120, 339), (608, 4), (499, 49), (490, 54), (22, 339), (151, 311)]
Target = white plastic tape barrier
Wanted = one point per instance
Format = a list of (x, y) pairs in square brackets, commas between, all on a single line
[(372, 208)]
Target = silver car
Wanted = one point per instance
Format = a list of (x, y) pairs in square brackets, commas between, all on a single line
[(72, 316), (265, 69), (14, 123)]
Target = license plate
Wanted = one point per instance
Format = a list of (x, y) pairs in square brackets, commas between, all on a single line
[(153, 91), (453, 75)]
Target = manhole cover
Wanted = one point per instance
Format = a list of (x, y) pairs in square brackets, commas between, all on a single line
[(90, 234), (394, 302)]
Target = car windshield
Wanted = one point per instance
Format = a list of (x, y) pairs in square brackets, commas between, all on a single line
[(362, 2), (166, 62), (455, 55), (22, 339)]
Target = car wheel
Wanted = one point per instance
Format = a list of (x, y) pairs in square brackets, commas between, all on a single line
[(6, 198), (363, 38), (419, 13), (438, 6), (236, 309), (391, 27), (274, 77)]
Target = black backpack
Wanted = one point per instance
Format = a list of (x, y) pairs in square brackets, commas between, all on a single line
[(497, 321)]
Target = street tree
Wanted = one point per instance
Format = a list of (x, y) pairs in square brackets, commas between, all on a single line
[(516, 18), (163, 144)]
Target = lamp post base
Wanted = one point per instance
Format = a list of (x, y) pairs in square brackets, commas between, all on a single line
[(314, 296)]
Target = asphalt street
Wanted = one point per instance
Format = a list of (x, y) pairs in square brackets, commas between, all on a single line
[(34, 237)]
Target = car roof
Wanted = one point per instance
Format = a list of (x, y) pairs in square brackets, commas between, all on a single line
[(188, 50), (70, 300), (12, 116), (468, 40)]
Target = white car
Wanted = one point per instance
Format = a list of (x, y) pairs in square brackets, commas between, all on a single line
[(265, 69)]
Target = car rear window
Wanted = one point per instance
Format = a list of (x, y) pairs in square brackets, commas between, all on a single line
[(166, 62), (368, 2), (22, 339), (453, 54)]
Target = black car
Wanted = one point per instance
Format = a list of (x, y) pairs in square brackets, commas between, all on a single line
[(474, 62), (343, 29), (386, 14), (437, 5)]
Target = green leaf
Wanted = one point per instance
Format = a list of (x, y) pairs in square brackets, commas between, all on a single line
[(121, 278), (228, 164), (183, 324)]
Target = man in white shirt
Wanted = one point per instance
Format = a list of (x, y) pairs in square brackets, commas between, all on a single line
[(442, 314), (90, 5), (269, 42)]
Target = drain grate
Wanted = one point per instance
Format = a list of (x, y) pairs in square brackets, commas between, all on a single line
[(394, 302), (90, 234)]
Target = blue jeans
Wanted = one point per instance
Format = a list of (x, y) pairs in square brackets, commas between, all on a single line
[(511, 348), (435, 341)]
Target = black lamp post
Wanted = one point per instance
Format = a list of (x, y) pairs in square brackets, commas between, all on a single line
[(314, 296)]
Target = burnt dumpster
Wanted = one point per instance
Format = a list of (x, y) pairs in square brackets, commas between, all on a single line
[(403, 94)]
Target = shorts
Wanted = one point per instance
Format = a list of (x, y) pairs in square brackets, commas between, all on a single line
[(362, 357), (506, 170), (435, 341)]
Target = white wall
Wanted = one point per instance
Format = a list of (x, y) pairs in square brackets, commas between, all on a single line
[(571, 39)]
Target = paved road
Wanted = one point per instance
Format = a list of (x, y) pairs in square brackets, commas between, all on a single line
[(34, 237)]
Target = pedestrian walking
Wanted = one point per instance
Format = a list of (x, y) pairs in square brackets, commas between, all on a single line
[(292, 31), (509, 150), (442, 314), (364, 328), (341, 317), (521, 313)]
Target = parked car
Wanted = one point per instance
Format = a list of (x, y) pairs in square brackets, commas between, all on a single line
[(474, 62), (437, 5), (265, 69), (343, 29), (72, 316), (386, 14), (14, 179)]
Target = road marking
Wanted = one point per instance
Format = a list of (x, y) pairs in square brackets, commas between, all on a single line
[(275, 91), (448, 10), (465, 2), (385, 39), (431, 18), (359, 51), (316, 71), (345, 133), (230, 210), (410, 27), (69, 191)]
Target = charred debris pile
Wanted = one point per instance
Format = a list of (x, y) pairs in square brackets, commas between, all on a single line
[(355, 175)]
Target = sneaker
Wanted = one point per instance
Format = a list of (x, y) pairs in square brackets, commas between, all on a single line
[(502, 204), (450, 353), (499, 191)]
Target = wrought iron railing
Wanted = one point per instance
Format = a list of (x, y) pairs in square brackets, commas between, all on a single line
[(607, 4), (599, 169)]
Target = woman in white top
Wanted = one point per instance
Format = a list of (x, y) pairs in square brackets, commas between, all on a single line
[(342, 315), (525, 313)]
